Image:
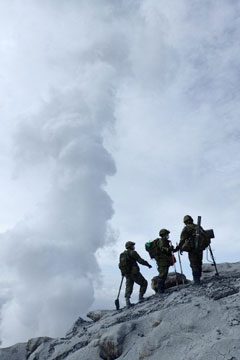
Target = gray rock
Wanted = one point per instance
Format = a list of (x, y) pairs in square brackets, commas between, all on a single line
[(111, 343), (170, 281), (193, 323), (79, 324), (34, 343), (97, 314)]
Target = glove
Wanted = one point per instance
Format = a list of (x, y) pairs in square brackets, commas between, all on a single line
[(150, 266), (176, 248), (171, 248)]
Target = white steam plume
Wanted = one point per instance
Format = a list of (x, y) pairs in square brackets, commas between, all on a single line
[(48, 263)]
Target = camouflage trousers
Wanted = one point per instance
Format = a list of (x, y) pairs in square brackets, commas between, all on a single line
[(195, 258), (138, 279), (163, 271)]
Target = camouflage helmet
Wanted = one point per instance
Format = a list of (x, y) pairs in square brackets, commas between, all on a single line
[(163, 232), (129, 244), (187, 218)]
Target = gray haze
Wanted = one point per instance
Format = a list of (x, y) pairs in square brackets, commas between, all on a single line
[(149, 88)]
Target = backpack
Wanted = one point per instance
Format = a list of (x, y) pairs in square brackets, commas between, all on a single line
[(203, 241), (125, 263), (152, 248)]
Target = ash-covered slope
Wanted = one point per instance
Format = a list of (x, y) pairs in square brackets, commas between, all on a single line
[(192, 323)]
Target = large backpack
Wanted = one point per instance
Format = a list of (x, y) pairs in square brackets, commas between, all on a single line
[(125, 263), (203, 241), (152, 248)]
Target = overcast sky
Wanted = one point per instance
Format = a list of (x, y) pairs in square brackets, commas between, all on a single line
[(117, 119)]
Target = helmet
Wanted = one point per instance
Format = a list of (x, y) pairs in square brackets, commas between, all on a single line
[(129, 244), (187, 218), (163, 232)]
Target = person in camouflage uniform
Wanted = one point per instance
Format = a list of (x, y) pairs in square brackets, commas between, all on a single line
[(164, 258), (195, 255), (135, 276)]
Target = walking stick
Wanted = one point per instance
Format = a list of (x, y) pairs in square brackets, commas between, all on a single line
[(213, 260), (180, 263), (117, 299), (174, 260)]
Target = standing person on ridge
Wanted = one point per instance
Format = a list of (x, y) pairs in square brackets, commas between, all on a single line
[(195, 255), (164, 258), (130, 269)]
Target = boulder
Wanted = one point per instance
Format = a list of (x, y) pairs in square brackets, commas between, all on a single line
[(80, 323), (34, 343), (111, 343), (97, 314), (170, 281)]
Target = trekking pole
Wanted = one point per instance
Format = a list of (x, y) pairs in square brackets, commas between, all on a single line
[(117, 299), (176, 275), (180, 264), (198, 232), (213, 260), (173, 261)]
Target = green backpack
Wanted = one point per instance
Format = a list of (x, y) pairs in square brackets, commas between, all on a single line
[(152, 248), (125, 263)]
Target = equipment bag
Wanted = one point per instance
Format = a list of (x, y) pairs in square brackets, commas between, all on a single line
[(203, 242), (188, 245), (125, 263), (152, 248), (205, 238)]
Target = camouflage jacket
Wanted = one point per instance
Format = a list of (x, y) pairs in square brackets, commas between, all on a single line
[(188, 233), (164, 256), (136, 258)]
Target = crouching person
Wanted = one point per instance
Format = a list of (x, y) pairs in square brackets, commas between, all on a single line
[(130, 269)]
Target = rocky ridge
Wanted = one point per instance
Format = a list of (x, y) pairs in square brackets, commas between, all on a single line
[(186, 323)]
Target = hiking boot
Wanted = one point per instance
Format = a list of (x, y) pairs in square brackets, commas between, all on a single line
[(141, 298), (160, 287), (196, 280), (128, 303)]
